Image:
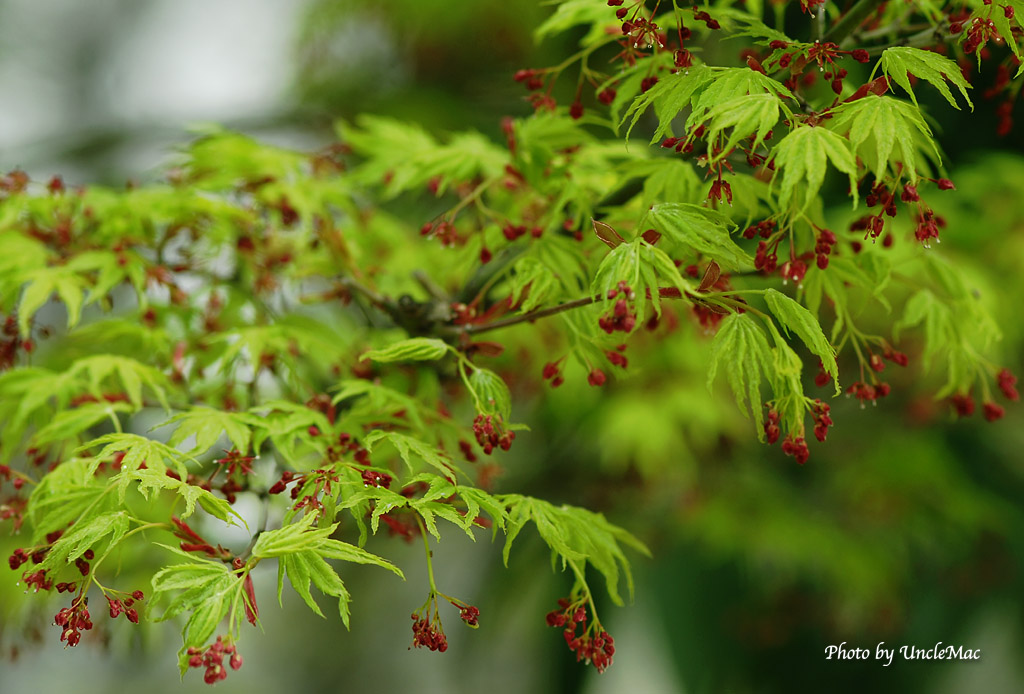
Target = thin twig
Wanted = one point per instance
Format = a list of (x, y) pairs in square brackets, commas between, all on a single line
[(522, 318)]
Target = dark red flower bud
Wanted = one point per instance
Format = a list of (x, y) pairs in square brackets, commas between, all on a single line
[(1007, 382), (993, 411)]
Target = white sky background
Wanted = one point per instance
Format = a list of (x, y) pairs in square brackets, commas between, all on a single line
[(71, 68)]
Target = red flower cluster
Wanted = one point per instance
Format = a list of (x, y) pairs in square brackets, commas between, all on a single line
[(596, 377), (491, 433), (963, 403), (898, 358), (822, 419), (797, 448), (593, 645), (993, 411), (928, 225), (710, 23), (823, 247), (621, 317), (871, 224), (73, 621), (429, 634), (1007, 383), (11, 343), (191, 541), (617, 358), (979, 33), (444, 231), (763, 260), (372, 478), (213, 660), (552, 372), (794, 270), (125, 606), (764, 229), (18, 558), (469, 614), (38, 579), (868, 393), (771, 427)]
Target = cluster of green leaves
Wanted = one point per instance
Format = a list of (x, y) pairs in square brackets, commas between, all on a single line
[(290, 309)]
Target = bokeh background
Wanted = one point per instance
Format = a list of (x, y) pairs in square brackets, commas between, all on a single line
[(907, 527)]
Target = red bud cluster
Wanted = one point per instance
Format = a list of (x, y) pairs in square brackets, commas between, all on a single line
[(593, 645), (552, 372), (764, 229), (763, 260), (490, 433), (73, 621), (621, 318), (213, 660), (868, 393), (1007, 383), (796, 447), (428, 634), (822, 419), (771, 427)]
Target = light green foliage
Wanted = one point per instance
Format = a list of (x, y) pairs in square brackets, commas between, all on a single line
[(797, 319), (413, 451), (726, 84), (802, 159), (669, 97), (330, 326), (576, 537), (490, 393), (207, 425), (887, 134), (207, 589), (743, 116), (533, 283), (104, 530), (640, 265), (742, 352), (413, 349), (406, 157), (45, 281), (572, 13), (701, 230), (69, 494), (900, 61)]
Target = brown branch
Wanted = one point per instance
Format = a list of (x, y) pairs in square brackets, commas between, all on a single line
[(525, 317)]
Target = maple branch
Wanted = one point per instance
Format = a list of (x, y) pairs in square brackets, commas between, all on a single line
[(524, 317)]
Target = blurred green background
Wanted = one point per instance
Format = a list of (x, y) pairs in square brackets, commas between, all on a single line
[(906, 527)]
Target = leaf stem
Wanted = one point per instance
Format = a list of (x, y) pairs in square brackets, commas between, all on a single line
[(426, 547), (531, 316)]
